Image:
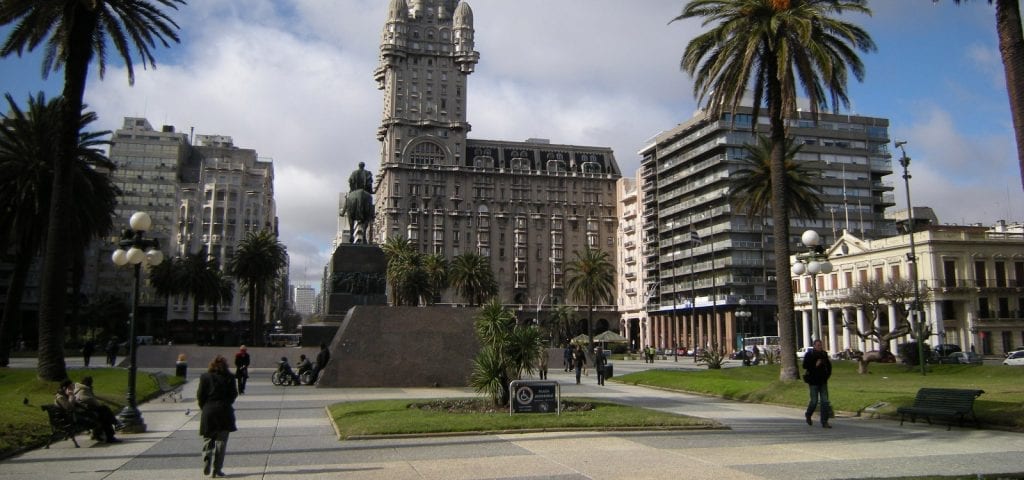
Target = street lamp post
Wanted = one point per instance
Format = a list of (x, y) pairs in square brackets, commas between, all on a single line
[(915, 307), (743, 314), (135, 249), (813, 262)]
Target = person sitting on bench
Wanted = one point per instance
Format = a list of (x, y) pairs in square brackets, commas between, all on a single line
[(85, 398)]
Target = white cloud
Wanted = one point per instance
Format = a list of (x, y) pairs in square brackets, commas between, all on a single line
[(293, 80)]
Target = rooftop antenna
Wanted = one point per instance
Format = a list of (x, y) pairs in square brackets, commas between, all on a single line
[(861, 211)]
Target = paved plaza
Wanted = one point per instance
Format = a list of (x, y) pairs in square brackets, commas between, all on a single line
[(284, 433)]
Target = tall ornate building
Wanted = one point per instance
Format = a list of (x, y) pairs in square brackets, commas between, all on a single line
[(526, 205)]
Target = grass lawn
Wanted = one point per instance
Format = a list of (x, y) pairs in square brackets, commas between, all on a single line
[(24, 426), (391, 417), (895, 384)]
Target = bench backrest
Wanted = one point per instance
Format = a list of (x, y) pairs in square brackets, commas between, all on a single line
[(958, 399), (58, 416)]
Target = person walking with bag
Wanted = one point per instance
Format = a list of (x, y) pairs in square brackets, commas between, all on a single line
[(216, 394), (819, 369), (242, 361)]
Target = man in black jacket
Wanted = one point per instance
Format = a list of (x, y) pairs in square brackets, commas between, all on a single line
[(819, 369)]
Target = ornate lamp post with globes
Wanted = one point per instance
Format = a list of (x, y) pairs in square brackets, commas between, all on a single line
[(813, 262), (135, 249)]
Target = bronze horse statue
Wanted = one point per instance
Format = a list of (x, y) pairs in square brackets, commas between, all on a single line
[(358, 208)]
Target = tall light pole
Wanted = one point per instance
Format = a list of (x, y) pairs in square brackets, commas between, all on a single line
[(133, 250), (813, 262), (915, 307)]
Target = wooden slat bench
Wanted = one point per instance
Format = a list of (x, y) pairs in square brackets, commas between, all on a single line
[(173, 392), (953, 403), (63, 425)]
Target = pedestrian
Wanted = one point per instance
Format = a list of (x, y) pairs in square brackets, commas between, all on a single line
[(599, 363), (542, 363), (578, 361), (112, 348), (819, 369), (85, 398), (756, 355), (216, 394), (567, 357), (242, 368), (87, 349), (322, 358)]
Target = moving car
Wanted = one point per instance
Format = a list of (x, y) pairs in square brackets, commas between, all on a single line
[(962, 358), (1015, 358)]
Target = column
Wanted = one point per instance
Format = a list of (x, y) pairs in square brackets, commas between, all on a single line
[(891, 345), (806, 322), (862, 324), (832, 343), (846, 331), (935, 320)]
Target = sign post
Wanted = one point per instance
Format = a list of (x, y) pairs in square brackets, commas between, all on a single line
[(535, 396)]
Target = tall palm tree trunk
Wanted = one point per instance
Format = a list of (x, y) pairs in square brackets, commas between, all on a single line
[(54, 279), (780, 228), (1011, 46)]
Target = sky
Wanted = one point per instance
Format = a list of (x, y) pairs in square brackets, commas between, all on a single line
[(293, 79)]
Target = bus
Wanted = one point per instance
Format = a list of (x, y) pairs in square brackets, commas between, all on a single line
[(763, 343), (284, 340)]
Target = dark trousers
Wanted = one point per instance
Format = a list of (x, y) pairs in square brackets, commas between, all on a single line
[(214, 447), (600, 374), (579, 369), (819, 393)]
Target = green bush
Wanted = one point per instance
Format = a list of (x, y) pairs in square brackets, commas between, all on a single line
[(908, 352)]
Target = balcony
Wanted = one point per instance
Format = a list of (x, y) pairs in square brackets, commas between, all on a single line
[(630, 260)]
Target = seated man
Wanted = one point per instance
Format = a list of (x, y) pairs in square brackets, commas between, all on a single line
[(304, 366), (84, 397), (285, 370)]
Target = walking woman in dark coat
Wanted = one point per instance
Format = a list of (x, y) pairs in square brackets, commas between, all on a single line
[(216, 394)]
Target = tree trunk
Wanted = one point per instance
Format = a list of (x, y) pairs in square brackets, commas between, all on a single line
[(1011, 46), (54, 278), (780, 229)]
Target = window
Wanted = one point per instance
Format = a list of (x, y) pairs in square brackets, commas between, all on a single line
[(979, 273)]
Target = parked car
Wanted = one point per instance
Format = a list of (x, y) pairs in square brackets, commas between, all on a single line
[(946, 348), (1015, 358), (1012, 351), (963, 358), (803, 351)]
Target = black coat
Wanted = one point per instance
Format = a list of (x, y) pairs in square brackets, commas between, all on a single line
[(216, 394), (817, 374)]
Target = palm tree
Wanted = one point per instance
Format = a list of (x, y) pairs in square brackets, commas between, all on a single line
[(256, 263), (75, 32), (197, 279), (27, 159), (774, 46), (1011, 47), (507, 351), (562, 319), (435, 268), (164, 280), (472, 277), (750, 186), (223, 292), (590, 278), (405, 273)]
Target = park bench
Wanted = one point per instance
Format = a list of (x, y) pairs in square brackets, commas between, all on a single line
[(64, 425), (953, 403), (172, 392)]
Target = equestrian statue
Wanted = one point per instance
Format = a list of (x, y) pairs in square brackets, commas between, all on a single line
[(358, 205)]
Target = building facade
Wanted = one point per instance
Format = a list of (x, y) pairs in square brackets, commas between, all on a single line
[(971, 280), (526, 205), (701, 256), (204, 195), (148, 167), (304, 300)]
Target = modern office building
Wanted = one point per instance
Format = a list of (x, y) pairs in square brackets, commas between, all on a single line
[(970, 278), (148, 167), (304, 300), (701, 256), (526, 205), (204, 195)]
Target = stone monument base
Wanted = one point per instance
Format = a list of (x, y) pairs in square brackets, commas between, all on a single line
[(382, 346)]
